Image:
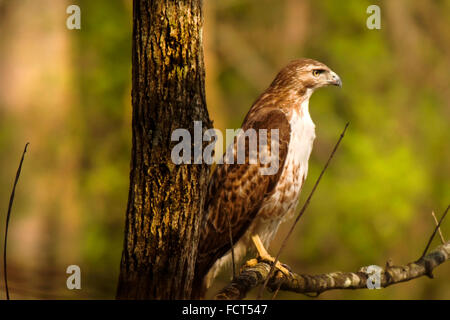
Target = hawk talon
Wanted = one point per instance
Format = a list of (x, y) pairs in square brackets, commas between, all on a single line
[(250, 263), (279, 266), (286, 267)]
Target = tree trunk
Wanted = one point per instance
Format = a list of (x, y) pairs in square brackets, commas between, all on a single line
[(165, 200)]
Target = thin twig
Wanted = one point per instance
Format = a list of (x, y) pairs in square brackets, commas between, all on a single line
[(8, 215), (232, 246), (305, 206), (434, 233), (276, 291), (439, 229)]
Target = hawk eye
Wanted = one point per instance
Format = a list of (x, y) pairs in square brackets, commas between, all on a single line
[(317, 72)]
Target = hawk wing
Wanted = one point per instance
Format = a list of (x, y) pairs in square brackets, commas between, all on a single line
[(236, 192)]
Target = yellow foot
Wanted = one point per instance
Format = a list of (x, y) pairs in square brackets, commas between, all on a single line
[(265, 256), (278, 265), (250, 263)]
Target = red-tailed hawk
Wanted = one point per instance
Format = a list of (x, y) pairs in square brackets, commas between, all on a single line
[(255, 204)]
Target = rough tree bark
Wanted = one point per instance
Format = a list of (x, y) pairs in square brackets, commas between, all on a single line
[(165, 200)]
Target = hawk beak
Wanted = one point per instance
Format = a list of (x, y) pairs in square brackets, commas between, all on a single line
[(335, 80)]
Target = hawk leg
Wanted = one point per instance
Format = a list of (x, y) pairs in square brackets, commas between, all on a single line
[(265, 256)]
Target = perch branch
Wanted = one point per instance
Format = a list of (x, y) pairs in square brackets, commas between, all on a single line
[(253, 275)]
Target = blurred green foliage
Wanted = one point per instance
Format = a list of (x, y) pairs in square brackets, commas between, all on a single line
[(104, 56)]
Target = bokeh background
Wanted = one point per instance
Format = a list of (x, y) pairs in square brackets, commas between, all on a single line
[(67, 92)]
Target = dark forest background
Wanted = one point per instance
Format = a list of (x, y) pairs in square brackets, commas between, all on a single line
[(67, 92)]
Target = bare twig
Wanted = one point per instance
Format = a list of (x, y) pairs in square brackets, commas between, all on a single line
[(305, 206), (434, 232), (255, 274), (439, 229), (276, 291), (8, 215), (232, 246)]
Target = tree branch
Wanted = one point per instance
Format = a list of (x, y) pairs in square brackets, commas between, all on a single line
[(254, 274)]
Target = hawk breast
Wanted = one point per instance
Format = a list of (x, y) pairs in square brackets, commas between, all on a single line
[(283, 201)]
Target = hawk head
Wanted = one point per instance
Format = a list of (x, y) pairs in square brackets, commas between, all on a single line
[(303, 74)]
